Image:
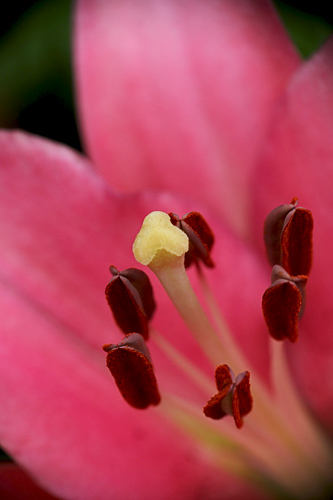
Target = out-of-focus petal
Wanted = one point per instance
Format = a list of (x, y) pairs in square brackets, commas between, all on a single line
[(64, 421), (61, 414), (61, 228), (177, 94), (298, 161)]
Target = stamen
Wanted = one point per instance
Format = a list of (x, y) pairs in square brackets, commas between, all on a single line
[(233, 397), (273, 229), (296, 242), (166, 259), (316, 445), (282, 304), (130, 364), (295, 253), (131, 300), (200, 235), (300, 281), (288, 238), (171, 273), (280, 445)]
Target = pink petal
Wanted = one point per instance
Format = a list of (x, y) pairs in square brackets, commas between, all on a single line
[(62, 227), (177, 94), (298, 161), (61, 415), (63, 420), (58, 223)]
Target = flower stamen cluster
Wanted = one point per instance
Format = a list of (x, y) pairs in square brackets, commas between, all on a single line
[(288, 239), (168, 245)]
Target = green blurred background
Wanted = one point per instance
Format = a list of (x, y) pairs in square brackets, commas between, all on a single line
[(36, 81), (36, 88)]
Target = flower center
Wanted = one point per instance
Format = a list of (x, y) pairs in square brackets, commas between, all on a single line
[(280, 448)]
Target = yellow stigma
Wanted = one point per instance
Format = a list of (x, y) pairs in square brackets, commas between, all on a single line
[(159, 240)]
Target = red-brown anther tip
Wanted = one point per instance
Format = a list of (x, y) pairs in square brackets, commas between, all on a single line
[(233, 397), (279, 273), (236, 410), (107, 347), (242, 401), (273, 228), (288, 238), (127, 313), (133, 372), (141, 283), (281, 305), (296, 242), (213, 408), (223, 377), (201, 237), (130, 297)]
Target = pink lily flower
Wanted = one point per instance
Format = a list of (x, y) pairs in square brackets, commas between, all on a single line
[(183, 105)]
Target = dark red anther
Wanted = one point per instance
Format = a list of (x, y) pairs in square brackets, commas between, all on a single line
[(130, 297), (200, 235), (273, 229), (130, 364), (283, 304), (233, 397), (296, 242), (288, 238)]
